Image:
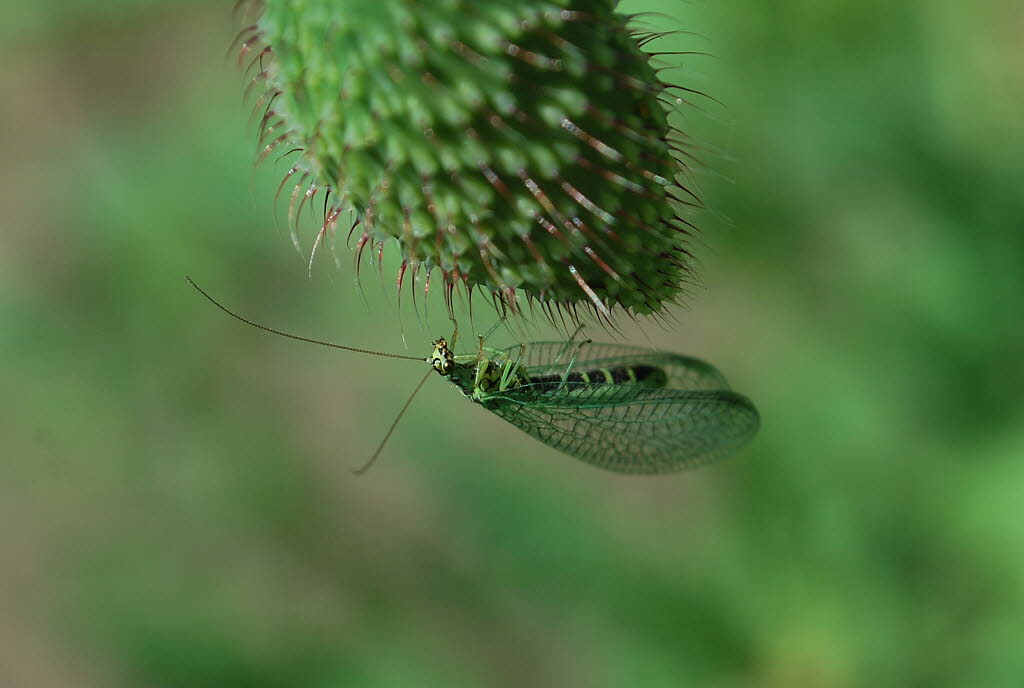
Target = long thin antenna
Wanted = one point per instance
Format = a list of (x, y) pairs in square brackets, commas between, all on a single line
[(360, 471), (332, 345)]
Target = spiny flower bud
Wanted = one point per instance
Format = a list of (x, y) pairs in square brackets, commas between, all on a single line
[(518, 146)]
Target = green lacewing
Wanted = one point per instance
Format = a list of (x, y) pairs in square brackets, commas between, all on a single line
[(617, 407)]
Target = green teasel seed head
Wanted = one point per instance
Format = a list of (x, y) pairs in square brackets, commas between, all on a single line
[(519, 147)]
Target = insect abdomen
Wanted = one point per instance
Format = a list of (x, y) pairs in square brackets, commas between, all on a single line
[(649, 376)]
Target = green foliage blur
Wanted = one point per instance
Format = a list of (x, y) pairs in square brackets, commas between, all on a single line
[(176, 506)]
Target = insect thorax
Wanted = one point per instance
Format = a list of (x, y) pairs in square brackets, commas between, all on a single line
[(489, 379), (478, 378)]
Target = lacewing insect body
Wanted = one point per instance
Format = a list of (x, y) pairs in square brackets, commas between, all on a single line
[(620, 408), (617, 407)]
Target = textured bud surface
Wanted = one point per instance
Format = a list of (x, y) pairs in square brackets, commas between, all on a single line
[(519, 146)]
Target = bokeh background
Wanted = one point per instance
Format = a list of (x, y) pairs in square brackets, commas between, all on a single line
[(176, 507)]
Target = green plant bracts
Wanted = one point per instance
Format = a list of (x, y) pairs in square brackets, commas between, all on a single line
[(519, 147)]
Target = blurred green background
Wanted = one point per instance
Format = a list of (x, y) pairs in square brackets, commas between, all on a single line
[(176, 507)]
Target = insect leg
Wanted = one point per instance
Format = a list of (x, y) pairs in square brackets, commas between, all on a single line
[(572, 361), (568, 343), (455, 332), (479, 368), (511, 367), (487, 335)]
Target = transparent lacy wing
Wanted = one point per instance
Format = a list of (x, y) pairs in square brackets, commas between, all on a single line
[(552, 358), (632, 428)]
